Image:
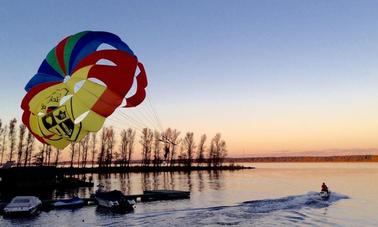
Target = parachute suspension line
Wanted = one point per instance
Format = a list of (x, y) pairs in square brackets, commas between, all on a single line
[(118, 121), (130, 126), (100, 98), (154, 111), (151, 117), (135, 117), (141, 110), (136, 121), (140, 116), (145, 112), (120, 129)]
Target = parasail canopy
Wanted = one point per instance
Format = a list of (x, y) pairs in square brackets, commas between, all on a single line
[(79, 85)]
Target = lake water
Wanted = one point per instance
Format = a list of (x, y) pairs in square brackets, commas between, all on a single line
[(273, 194)]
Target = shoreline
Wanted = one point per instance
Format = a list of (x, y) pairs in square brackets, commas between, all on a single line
[(51, 177), (147, 169), (307, 159)]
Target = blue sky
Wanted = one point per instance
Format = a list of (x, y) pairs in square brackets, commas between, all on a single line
[(268, 75)]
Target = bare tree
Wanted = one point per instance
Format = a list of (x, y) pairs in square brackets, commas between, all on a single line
[(174, 140), (124, 147), (1, 129), (28, 148), (101, 156), (110, 138), (93, 143), (48, 154), (72, 148), (189, 146), (12, 137), (38, 158), (21, 134), (157, 158), (116, 156), (78, 149), (211, 158), (201, 150), (4, 131), (182, 157), (170, 139), (85, 147), (31, 148), (222, 152), (146, 142), (217, 151), (165, 138), (41, 155), (131, 139), (57, 156)]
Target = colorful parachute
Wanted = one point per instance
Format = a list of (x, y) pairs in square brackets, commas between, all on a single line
[(74, 90)]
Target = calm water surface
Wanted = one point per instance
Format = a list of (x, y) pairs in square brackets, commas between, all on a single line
[(273, 194)]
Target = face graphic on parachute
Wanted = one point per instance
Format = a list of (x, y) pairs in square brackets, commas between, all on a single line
[(58, 120)]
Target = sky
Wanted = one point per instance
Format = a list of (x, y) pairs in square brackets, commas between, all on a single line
[(270, 76)]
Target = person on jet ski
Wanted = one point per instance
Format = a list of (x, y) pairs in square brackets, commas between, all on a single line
[(324, 187)]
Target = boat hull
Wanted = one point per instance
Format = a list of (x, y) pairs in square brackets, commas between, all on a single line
[(70, 203), (22, 213), (115, 201), (23, 206)]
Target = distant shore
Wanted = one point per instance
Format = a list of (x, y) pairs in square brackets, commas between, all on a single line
[(341, 158)]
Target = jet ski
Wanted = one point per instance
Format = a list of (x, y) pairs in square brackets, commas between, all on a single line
[(325, 194)]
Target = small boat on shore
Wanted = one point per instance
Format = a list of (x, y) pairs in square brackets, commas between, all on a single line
[(23, 206), (325, 194), (114, 200), (74, 202)]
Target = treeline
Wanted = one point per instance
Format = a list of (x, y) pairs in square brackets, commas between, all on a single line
[(21, 152), (107, 148)]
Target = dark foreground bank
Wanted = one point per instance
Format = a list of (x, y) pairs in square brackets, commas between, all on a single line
[(49, 177)]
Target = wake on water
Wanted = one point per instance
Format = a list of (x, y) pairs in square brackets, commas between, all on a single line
[(246, 213), (310, 199)]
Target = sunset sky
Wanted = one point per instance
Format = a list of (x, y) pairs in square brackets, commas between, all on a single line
[(270, 76)]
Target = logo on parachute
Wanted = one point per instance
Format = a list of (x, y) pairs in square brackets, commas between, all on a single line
[(58, 122)]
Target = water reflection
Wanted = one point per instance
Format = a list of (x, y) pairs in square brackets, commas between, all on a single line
[(136, 183), (171, 180), (146, 181), (189, 181), (215, 181), (125, 182), (156, 180), (201, 184), (220, 198)]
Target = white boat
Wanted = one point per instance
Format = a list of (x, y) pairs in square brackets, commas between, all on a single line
[(114, 200), (23, 205)]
